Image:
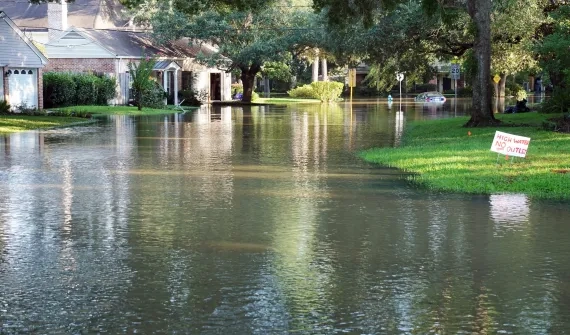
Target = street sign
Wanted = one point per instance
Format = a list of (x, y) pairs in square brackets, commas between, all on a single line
[(351, 77), (455, 71), (496, 78), (400, 76)]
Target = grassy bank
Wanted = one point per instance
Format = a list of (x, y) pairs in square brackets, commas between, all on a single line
[(15, 123), (444, 157), (123, 110), (286, 100)]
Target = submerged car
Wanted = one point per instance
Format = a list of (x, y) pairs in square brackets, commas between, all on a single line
[(430, 97)]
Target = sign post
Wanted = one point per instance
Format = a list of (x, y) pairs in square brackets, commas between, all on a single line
[(400, 77), (455, 74), (351, 80), (510, 145)]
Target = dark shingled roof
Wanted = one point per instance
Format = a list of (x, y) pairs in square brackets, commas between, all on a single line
[(101, 14), (138, 44)]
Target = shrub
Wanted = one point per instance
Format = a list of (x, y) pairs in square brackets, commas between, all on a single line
[(465, 92), (105, 90), (152, 97), (559, 102), (66, 89), (85, 89), (327, 91), (425, 88), (237, 88), (302, 92), (193, 98), (4, 107), (59, 89)]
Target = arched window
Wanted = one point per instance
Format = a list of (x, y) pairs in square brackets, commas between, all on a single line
[(30, 72), (16, 72)]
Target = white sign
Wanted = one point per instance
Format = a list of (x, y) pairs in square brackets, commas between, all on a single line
[(510, 145), (455, 71), (400, 76)]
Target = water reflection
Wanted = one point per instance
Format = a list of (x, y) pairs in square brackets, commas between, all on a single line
[(509, 212), (264, 220)]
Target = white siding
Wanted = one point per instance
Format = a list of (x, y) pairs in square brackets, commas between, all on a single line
[(74, 45), (14, 51)]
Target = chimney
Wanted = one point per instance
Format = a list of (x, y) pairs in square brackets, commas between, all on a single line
[(57, 17)]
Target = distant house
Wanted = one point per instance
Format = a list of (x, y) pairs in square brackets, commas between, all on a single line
[(94, 36), (21, 63)]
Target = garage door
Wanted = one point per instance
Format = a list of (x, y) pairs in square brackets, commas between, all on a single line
[(23, 88)]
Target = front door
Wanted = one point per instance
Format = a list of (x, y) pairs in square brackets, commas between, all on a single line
[(215, 86), (23, 88)]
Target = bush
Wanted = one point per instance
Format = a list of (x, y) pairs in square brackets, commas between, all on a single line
[(66, 89), (302, 92), (327, 91), (465, 92), (152, 98), (512, 88), (4, 107), (193, 98), (85, 89), (237, 88), (559, 102), (106, 90), (419, 88), (59, 89)]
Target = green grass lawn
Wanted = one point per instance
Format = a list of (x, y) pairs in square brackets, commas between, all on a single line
[(286, 100), (442, 156), (124, 110), (15, 123)]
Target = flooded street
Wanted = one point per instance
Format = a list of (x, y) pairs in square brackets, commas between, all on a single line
[(263, 220)]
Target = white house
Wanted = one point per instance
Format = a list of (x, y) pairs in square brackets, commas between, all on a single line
[(21, 66)]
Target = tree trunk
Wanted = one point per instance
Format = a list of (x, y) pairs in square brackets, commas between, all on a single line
[(502, 84), (315, 76), (324, 69), (482, 110), (248, 80)]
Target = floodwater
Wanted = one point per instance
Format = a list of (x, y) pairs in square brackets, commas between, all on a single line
[(263, 220)]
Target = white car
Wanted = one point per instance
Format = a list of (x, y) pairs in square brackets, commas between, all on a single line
[(430, 97)]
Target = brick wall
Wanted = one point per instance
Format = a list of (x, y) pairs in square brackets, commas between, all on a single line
[(104, 65)]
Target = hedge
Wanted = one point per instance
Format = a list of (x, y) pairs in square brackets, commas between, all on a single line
[(70, 89)]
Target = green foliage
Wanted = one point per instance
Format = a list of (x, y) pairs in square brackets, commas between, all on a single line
[(237, 88), (559, 102), (144, 87), (244, 39), (85, 89), (302, 92), (553, 49), (59, 89), (4, 107), (106, 89), (66, 89), (151, 97), (419, 88), (193, 98), (277, 71), (464, 92), (327, 91), (440, 155), (520, 95)]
